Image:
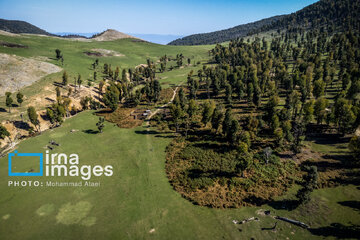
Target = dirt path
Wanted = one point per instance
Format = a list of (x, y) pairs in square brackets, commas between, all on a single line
[(163, 106)]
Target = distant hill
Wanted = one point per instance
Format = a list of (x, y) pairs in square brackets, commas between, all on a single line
[(15, 26), (70, 34), (110, 35), (225, 35), (324, 15)]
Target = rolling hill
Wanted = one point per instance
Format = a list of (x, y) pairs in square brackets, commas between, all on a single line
[(15, 26), (325, 15)]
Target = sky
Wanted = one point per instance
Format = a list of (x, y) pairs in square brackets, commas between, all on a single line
[(169, 17)]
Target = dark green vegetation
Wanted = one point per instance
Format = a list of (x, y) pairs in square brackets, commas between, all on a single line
[(225, 35), (209, 174), (325, 16), (15, 26)]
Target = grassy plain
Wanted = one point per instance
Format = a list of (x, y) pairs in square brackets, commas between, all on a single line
[(138, 197)]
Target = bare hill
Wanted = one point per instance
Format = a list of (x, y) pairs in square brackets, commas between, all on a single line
[(17, 72), (110, 35)]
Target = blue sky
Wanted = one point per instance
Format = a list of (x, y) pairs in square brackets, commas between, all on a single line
[(145, 16)]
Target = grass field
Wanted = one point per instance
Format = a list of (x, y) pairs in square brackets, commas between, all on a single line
[(138, 197)]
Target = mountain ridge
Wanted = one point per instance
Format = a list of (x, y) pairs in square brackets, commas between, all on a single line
[(324, 15), (222, 35)]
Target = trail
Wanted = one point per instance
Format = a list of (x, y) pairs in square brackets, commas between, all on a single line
[(163, 106)]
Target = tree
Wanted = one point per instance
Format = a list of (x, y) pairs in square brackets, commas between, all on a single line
[(123, 76), (320, 109), (58, 92), (227, 121), (208, 109), (79, 80), (84, 102), (232, 134), (111, 97), (217, 119), (308, 111), (65, 78), (279, 136), (101, 86), (19, 98), (270, 107), (100, 124), (192, 108), (157, 90), (3, 132), (33, 117), (58, 54), (9, 100), (182, 98), (55, 113), (177, 114), (267, 154), (310, 181), (319, 88), (274, 123), (344, 117), (228, 94)]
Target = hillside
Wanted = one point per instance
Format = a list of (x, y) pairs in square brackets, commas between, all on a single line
[(110, 35), (225, 35), (325, 15), (15, 26)]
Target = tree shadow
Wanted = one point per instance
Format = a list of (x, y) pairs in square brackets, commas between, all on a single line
[(147, 132), (285, 204), (58, 84), (165, 136), (352, 204), (50, 99), (21, 125), (104, 111), (90, 131), (337, 230)]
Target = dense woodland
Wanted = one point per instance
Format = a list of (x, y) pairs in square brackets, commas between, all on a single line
[(254, 101), (326, 16)]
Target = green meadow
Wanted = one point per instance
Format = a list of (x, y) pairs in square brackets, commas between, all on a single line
[(138, 202)]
